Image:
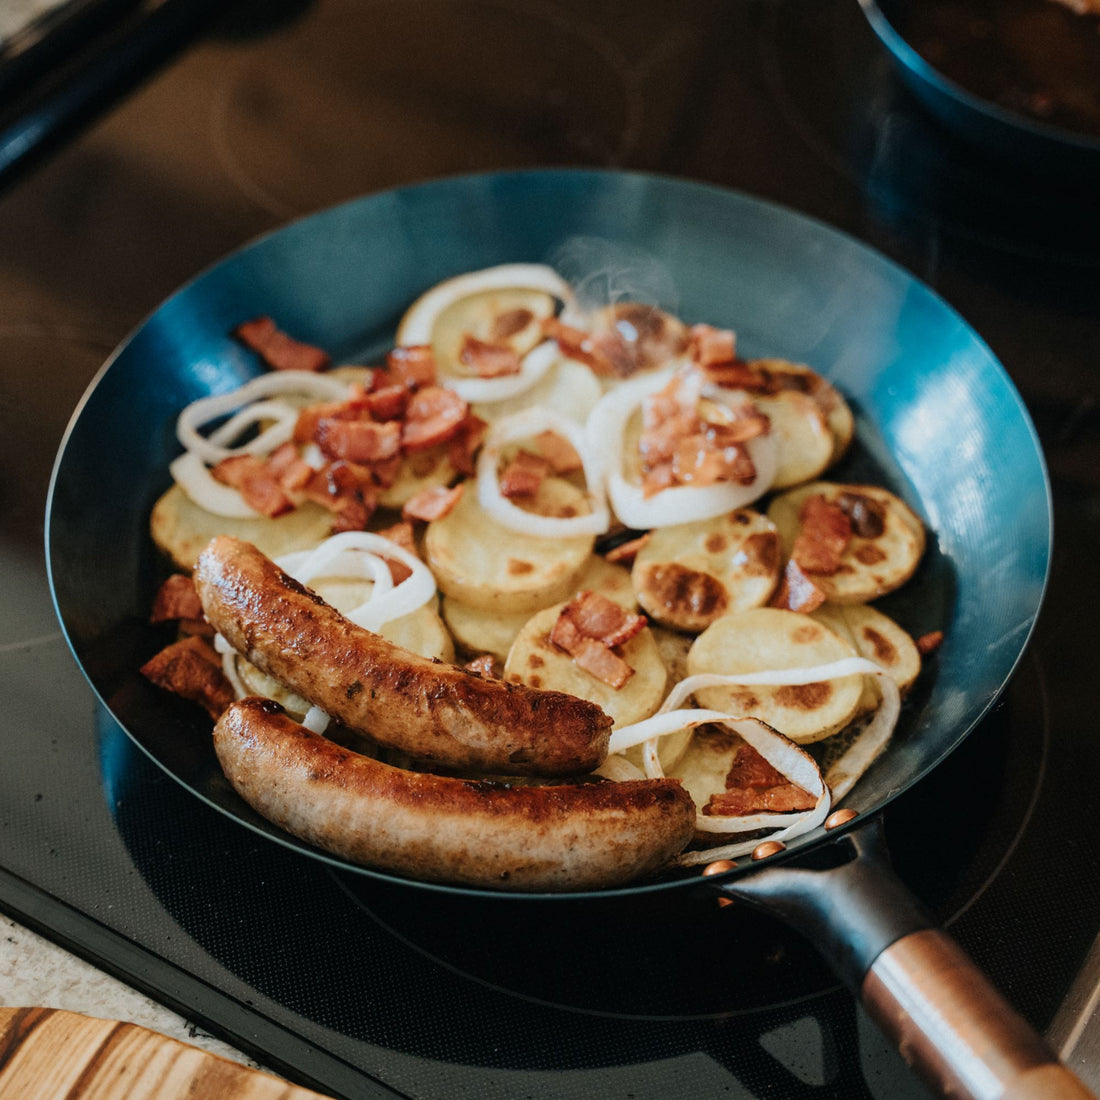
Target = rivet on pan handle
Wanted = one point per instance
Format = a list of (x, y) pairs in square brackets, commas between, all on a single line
[(948, 1021)]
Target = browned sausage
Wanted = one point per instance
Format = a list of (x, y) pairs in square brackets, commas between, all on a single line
[(480, 833), (431, 710)]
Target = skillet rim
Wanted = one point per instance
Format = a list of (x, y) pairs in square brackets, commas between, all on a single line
[(805, 844)]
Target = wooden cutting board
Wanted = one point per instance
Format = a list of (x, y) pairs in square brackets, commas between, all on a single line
[(47, 1054)]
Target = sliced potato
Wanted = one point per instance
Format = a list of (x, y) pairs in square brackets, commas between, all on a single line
[(181, 528), (674, 648), (483, 564), (804, 439), (870, 566), (535, 660), (688, 575), (838, 415), (875, 636), (765, 639), (703, 766)]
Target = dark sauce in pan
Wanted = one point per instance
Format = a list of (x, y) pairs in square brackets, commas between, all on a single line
[(1035, 57)]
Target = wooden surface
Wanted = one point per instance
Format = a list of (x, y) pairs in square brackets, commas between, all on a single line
[(46, 1053)]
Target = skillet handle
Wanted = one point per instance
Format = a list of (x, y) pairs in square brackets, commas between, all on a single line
[(948, 1021)]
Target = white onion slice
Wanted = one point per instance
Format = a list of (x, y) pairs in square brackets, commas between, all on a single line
[(532, 369), (205, 409), (387, 601), (229, 666), (316, 720), (619, 769), (606, 429), (417, 324), (660, 725), (524, 425), (191, 474)]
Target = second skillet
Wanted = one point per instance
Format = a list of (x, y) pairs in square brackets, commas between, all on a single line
[(937, 420)]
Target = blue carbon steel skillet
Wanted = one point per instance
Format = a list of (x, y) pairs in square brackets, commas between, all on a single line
[(937, 420)]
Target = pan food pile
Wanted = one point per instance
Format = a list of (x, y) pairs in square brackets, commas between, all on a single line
[(558, 596)]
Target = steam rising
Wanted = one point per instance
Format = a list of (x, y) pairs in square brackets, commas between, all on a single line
[(603, 272)]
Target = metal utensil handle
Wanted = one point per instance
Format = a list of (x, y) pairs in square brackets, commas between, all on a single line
[(948, 1021)]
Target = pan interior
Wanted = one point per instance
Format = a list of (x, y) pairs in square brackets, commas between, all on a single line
[(937, 418)]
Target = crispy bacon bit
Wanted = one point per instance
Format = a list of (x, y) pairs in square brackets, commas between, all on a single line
[(626, 552), (176, 599), (605, 354), (710, 345), (867, 516), (252, 478), (486, 666), (289, 468), (401, 534), (588, 628), (558, 452), (412, 366), (355, 408), (431, 504), (796, 592), (276, 349), (191, 668), (739, 375), (347, 489), (434, 416), (754, 786), (930, 642), (679, 448), (523, 475), (604, 664), (464, 444), (488, 360), (823, 537), (389, 402), (359, 440)]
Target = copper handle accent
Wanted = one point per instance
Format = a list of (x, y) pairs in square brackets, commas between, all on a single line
[(956, 1030)]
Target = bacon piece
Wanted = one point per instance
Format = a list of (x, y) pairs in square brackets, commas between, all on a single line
[(605, 354), (346, 489), (588, 628), (401, 534), (412, 366), (754, 786), (488, 360), (176, 599), (289, 468), (523, 475), (626, 552), (710, 346), (796, 592), (929, 643), (359, 440), (823, 537), (486, 665), (355, 408), (434, 416), (389, 402), (464, 444), (739, 375), (252, 478), (191, 668), (278, 350), (431, 504), (558, 452), (601, 662)]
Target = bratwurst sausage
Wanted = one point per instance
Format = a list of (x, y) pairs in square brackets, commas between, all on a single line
[(431, 710), (472, 832)]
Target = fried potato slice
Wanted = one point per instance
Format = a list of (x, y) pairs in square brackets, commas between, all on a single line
[(838, 415), (569, 388), (805, 441), (870, 566), (483, 564), (181, 528), (688, 575), (535, 660), (764, 639), (422, 470), (878, 638), (487, 631)]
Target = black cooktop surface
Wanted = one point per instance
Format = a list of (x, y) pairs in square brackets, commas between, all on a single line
[(364, 989)]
